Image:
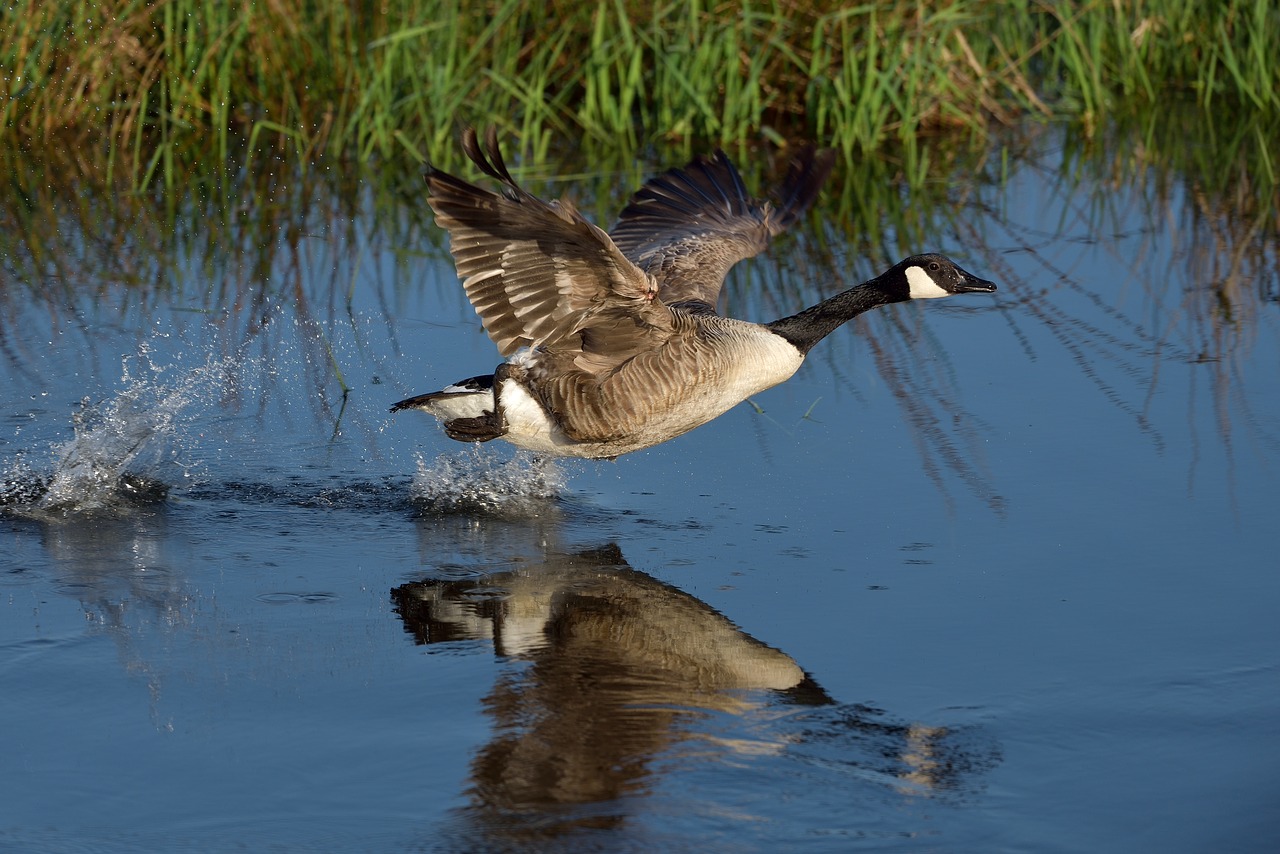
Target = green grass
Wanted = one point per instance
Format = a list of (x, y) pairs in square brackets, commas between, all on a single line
[(153, 84)]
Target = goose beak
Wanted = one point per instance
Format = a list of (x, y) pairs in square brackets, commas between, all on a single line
[(971, 284)]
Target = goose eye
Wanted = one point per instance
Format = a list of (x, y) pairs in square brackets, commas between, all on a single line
[(933, 265)]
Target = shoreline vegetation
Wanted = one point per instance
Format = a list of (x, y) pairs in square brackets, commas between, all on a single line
[(156, 87)]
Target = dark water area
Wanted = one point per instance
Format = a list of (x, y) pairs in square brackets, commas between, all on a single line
[(987, 575)]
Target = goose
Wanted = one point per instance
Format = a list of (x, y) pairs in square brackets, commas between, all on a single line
[(612, 340)]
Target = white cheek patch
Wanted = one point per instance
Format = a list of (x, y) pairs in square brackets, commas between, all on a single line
[(923, 286)]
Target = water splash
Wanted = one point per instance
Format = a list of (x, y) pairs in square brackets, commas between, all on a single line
[(475, 480), (121, 448)]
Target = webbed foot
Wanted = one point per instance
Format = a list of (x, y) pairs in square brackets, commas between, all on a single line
[(480, 429)]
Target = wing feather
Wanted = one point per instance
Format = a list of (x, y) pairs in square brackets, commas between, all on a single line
[(688, 227), (539, 274)]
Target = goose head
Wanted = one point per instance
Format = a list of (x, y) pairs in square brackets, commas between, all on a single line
[(918, 277), (932, 276)]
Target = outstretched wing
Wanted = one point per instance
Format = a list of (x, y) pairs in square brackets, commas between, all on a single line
[(688, 226), (539, 274)]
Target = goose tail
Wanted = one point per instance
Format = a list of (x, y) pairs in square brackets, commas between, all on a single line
[(469, 398)]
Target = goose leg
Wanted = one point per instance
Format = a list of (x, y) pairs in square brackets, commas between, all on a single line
[(480, 429)]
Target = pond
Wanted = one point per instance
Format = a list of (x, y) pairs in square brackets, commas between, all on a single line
[(992, 573)]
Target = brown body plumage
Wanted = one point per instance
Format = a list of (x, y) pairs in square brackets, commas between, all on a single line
[(612, 340)]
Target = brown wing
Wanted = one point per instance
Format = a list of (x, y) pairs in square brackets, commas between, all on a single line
[(688, 226), (539, 274)]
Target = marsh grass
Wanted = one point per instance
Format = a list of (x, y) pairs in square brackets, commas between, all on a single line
[(154, 84)]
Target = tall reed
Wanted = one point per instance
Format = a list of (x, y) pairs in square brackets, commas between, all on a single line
[(156, 81)]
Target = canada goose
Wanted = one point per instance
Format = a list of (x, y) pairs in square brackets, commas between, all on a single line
[(613, 340)]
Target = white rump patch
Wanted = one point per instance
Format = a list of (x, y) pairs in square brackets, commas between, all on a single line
[(460, 402), (922, 284), (524, 415)]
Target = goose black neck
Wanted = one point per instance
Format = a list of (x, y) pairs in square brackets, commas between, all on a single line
[(810, 326)]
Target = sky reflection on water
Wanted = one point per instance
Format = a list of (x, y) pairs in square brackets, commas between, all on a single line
[(995, 576)]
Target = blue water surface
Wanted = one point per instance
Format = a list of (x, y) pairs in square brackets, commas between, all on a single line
[(991, 573)]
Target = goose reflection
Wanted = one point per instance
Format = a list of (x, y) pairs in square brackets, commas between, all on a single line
[(618, 679)]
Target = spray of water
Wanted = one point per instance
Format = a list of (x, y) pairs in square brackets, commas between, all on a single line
[(122, 448), (474, 479)]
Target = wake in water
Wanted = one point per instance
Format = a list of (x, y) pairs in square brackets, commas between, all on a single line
[(473, 479), (121, 449)]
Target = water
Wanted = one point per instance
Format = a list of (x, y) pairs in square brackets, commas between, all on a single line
[(986, 575)]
